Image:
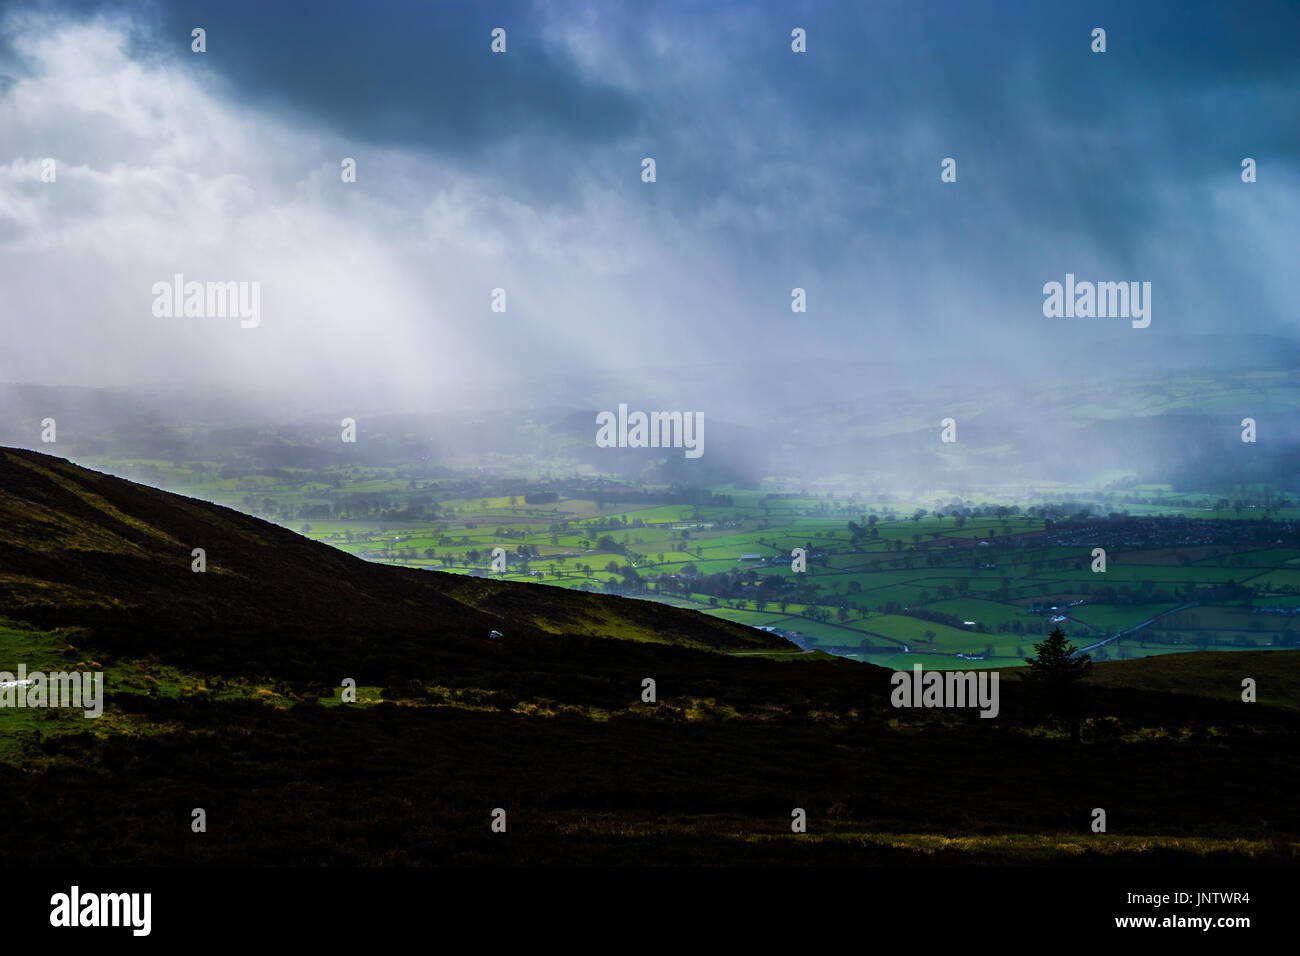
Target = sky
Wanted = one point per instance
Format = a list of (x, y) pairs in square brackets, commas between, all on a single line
[(522, 171)]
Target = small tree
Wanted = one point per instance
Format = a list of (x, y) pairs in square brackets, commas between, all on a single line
[(1055, 675)]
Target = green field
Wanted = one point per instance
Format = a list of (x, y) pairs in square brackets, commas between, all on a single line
[(985, 581)]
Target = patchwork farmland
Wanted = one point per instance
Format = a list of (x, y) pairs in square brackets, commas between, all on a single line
[(892, 583)]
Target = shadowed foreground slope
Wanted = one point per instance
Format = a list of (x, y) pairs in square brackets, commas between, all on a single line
[(223, 693), (81, 548)]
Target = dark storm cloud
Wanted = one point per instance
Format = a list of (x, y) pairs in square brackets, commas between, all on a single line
[(407, 75), (1013, 87), (774, 170)]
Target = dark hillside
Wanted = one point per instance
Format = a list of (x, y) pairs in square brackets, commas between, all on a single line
[(223, 693), (79, 548)]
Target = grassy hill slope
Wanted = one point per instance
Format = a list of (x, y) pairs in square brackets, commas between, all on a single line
[(223, 693), (79, 548)]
